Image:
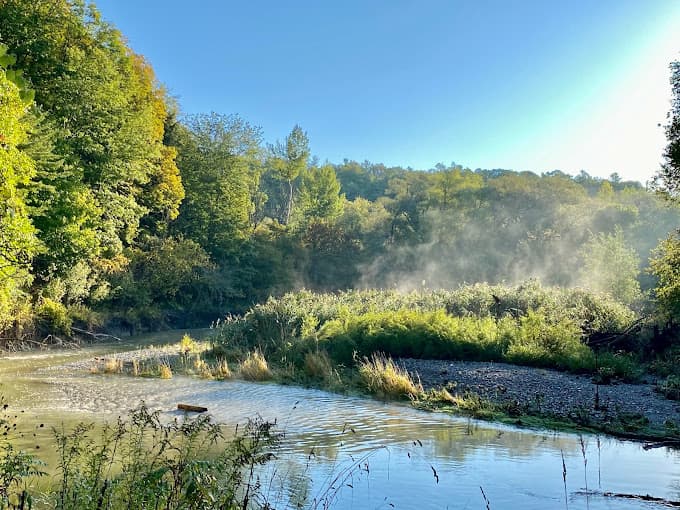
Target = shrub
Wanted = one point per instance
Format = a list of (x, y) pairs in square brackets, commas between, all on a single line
[(670, 387), (527, 323), (538, 342), (55, 316)]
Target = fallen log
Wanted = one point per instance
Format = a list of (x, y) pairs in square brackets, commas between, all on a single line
[(192, 409), (641, 497), (96, 336), (671, 443)]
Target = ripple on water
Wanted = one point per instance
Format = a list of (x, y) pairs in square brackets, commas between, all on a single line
[(401, 447)]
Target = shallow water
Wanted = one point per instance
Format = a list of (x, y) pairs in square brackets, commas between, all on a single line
[(398, 448)]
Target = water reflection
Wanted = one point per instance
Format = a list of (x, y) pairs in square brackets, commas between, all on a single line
[(363, 453)]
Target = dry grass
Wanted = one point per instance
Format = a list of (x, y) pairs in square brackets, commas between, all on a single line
[(255, 367), (113, 366), (442, 395), (221, 370), (164, 371), (318, 365), (382, 376)]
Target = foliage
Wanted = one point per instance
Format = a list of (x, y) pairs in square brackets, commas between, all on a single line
[(668, 178), (525, 324), (666, 267), (118, 206), (18, 242), (611, 267), (670, 387), (17, 467), (144, 462)]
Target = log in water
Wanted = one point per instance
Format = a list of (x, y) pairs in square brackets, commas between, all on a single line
[(192, 409)]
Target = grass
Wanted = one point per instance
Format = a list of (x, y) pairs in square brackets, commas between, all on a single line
[(164, 371), (383, 377), (144, 461), (221, 370), (255, 367), (318, 365)]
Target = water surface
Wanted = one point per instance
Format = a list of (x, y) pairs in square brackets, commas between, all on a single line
[(407, 458)]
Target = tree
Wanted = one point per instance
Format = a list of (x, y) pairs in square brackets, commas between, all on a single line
[(219, 157), (666, 263), (289, 160), (320, 197), (668, 178), (18, 243), (611, 266), (103, 117)]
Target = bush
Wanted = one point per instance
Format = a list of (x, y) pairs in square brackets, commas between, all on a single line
[(523, 324), (538, 342), (670, 387), (55, 316)]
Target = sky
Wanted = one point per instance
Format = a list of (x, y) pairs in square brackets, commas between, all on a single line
[(531, 85)]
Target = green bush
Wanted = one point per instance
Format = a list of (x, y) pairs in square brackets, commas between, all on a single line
[(527, 324), (55, 316), (538, 342)]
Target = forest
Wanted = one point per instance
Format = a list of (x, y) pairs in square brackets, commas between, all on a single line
[(122, 214)]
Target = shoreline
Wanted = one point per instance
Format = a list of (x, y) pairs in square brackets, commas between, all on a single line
[(514, 394)]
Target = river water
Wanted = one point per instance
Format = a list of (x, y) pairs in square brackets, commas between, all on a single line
[(408, 459)]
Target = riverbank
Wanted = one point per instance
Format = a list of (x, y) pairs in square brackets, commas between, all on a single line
[(619, 409), (520, 395)]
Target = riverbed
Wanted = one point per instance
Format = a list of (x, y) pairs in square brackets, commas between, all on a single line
[(362, 453)]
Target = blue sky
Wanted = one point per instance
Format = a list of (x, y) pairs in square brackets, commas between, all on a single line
[(526, 85)]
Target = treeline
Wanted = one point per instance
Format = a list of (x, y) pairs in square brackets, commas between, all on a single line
[(120, 212)]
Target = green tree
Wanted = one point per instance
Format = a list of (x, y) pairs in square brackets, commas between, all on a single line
[(18, 243), (219, 158), (288, 161), (668, 179), (611, 266), (319, 197), (666, 263), (103, 117), (665, 266)]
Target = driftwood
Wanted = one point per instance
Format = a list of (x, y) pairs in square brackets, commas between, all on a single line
[(673, 443), (641, 497), (192, 409), (96, 336)]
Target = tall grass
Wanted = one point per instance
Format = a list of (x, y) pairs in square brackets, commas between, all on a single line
[(144, 462), (255, 367), (382, 376)]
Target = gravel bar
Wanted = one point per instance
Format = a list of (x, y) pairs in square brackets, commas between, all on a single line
[(548, 391)]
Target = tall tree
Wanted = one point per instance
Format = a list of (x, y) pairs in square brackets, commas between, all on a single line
[(320, 197), (289, 160), (219, 157), (668, 179), (17, 235)]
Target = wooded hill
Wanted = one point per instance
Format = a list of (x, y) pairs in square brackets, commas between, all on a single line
[(120, 212)]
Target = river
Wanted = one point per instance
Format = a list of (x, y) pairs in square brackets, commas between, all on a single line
[(409, 459)]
